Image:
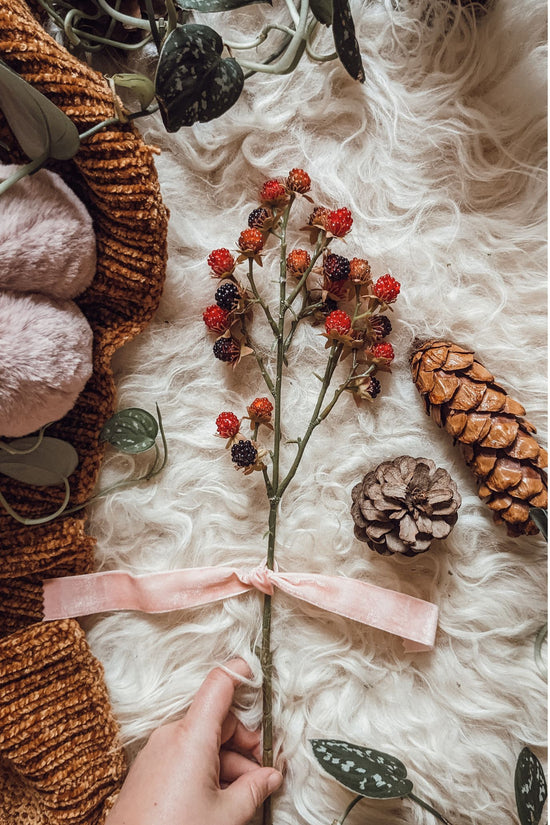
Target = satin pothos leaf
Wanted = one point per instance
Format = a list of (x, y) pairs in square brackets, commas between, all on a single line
[(131, 431), (322, 11), (365, 771), (194, 83), (530, 787), (217, 5), (39, 126), (347, 47), (50, 463)]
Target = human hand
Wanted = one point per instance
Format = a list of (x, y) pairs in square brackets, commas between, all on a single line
[(200, 770)]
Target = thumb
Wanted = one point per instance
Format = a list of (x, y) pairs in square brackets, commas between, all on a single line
[(250, 790)]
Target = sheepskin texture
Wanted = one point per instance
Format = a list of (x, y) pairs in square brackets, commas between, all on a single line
[(47, 240), (439, 155), (46, 360)]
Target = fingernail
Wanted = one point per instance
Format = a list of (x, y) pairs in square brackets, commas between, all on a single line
[(274, 781)]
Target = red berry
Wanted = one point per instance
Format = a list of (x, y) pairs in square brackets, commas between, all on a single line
[(251, 241), (339, 222), (273, 191), (386, 289), (383, 350), (338, 321), (216, 318), (227, 424), (221, 262), (298, 261), (260, 410), (298, 181)]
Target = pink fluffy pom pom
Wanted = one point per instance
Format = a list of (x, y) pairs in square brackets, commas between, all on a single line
[(47, 240), (46, 360)]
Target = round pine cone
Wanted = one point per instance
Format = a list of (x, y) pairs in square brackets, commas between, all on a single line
[(402, 505), (498, 444)]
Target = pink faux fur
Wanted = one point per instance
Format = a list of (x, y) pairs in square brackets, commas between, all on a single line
[(46, 360), (47, 241)]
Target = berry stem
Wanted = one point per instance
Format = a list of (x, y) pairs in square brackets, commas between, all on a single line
[(259, 360), (320, 246), (316, 417), (259, 299), (428, 807)]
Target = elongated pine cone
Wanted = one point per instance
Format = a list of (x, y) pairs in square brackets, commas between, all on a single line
[(498, 445), (402, 505)]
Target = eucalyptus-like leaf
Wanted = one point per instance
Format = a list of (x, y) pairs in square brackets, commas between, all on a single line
[(49, 464), (364, 771), (540, 517), (194, 83), (345, 41), (131, 431), (40, 127), (217, 5), (530, 787), (140, 85), (322, 11)]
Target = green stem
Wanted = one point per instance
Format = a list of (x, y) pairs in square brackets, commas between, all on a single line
[(44, 519), (350, 807), (320, 246), (316, 418), (115, 121), (264, 306), (13, 451), (428, 807), (266, 657), (22, 172), (259, 360)]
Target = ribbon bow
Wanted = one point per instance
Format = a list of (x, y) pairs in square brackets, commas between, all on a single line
[(413, 619)]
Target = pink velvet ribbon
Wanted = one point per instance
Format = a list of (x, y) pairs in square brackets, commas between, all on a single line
[(413, 619)]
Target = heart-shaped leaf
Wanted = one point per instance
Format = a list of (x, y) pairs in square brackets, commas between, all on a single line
[(49, 464), (540, 517), (193, 82), (131, 431), (345, 41), (41, 129), (322, 11), (530, 787), (217, 5), (364, 771)]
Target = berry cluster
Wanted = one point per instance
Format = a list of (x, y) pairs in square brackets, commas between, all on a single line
[(246, 454)]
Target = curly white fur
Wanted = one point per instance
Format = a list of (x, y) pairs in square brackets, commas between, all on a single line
[(439, 155)]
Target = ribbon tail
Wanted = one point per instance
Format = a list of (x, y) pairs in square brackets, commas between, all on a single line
[(73, 596), (415, 620)]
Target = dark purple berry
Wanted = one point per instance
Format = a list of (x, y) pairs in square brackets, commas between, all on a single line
[(226, 349), (381, 326), (258, 217), (227, 296), (336, 267), (243, 453), (373, 387)]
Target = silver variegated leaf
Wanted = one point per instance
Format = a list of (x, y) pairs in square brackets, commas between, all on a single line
[(194, 83), (365, 771), (530, 788), (345, 41), (540, 517), (40, 127), (217, 5), (322, 10), (131, 431), (49, 464)]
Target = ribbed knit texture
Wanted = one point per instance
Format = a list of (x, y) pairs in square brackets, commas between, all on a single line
[(60, 761)]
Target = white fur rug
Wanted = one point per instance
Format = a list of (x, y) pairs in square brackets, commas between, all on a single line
[(439, 155)]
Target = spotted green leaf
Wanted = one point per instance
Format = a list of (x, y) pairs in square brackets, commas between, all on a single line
[(41, 129), (142, 87), (194, 83), (530, 787), (345, 41), (217, 5), (131, 431), (50, 463), (365, 771)]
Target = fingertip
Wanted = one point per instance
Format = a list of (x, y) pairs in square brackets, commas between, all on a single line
[(237, 668), (274, 781)]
